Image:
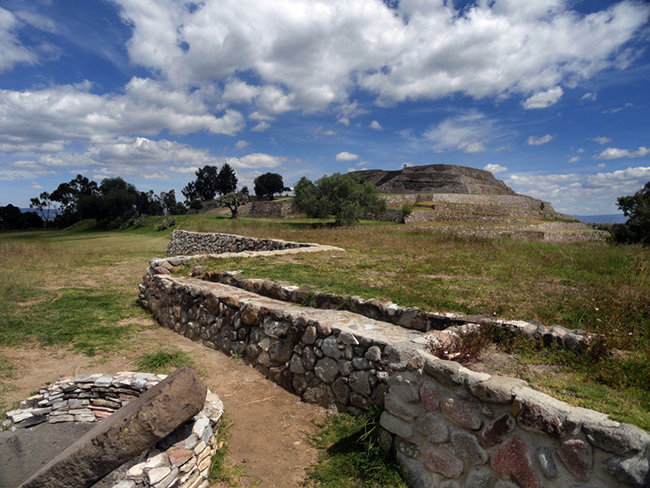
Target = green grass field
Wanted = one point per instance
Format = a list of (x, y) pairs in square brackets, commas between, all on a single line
[(75, 288)]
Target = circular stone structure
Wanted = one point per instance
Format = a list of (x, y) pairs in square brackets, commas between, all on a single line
[(46, 423)]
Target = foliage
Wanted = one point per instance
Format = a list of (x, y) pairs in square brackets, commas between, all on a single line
[(465, 346), (268, 184), (165, 224), (227, 180), (43, 204), (209, 182), (637, 208), (346, 197), (233, 201), (138, 221), (407, 209), (12, 218), (220, 469), (164, 362), (350, 454)]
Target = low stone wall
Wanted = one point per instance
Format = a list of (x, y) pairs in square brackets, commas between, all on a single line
[(387, 311), (182, 459), (186, 242), (449, 426)]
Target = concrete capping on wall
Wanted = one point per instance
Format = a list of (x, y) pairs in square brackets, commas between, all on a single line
[(449, 426), (182, 459), (387, 311)]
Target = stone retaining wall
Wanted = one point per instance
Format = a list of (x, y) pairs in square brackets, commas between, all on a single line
[(450, 427), (186, 242), (180, 460)]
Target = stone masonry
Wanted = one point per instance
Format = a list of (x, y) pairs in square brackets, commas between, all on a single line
[(180, 460), (448, 425)]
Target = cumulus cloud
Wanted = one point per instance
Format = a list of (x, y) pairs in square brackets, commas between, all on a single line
[(544, 99), (261, 127), (538, 141), (346, 156), (576, 193), (589, 97), (495, 168), (375, 125), (574, 159), (241, 145), (615, 153), (320, 50), (38, 119), (469, 132)]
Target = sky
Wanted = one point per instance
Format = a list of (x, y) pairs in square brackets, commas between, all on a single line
[(552, 96)]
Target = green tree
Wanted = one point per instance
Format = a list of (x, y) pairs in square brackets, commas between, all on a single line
[(268, 184), (346, 197), (226, 180), (233, 201), (637, 208), (43, 204), (12, 218), (68, 196)]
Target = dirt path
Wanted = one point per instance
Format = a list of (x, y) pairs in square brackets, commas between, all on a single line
[(269, 428)]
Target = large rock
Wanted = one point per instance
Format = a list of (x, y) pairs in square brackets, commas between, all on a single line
[(125, 434)]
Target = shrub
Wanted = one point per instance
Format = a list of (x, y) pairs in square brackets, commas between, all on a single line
[(139, 221), (165, 224)]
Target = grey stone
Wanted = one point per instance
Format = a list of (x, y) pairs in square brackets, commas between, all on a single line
[(578, 458), (477, 478), (546, 462), (406, 389), (296, 365), (126, 433), (359, 382), (633, 471), (466, 446), (406, 447), (321, 395), (373, 353), (330, 347), (396, 425), (345, 367), (462, 413), (498, 389), (440, 459), (281, 350), (433, 426), (326, 369), (623, 440), (399, 408), (348, 338), (275, 328), (341, 390), (414, 471), (308, 358), (449, 484), (310, 335)]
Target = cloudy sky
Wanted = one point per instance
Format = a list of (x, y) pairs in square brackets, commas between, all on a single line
[(552, 96)]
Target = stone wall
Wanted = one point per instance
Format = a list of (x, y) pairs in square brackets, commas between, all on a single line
[(182, 459), (450, 427), (186, 242)]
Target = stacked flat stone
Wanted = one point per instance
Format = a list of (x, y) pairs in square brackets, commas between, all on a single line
[(407, 317), (181, 460), (450, 426), (185, 242)]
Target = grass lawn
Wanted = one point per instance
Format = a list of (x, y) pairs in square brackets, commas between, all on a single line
[(76, 287)]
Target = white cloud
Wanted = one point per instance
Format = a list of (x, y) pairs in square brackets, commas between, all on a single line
[(346, 156), (261, 127), (469, 132), (37, 186), (538, 141), (544, 99), (601, 140), (375, 125), (615, 153), (319, 51), (589, 96), (53, 117), (242, 145), (579, 194), (12, 52), (495, 168), (574, 159), (256, 160)]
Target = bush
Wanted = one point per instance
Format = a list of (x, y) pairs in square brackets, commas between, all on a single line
[(139, 221), (165, 224)]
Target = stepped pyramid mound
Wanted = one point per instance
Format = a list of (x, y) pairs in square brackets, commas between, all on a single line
[(436, 178), (471, 201)]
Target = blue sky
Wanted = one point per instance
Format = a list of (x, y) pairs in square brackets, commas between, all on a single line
[(552, 96)]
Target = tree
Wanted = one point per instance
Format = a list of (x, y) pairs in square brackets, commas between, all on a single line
[(226, 180), (68, 196), (207, 182), (637, 208), (233, 201), (11, 218), (346, 197), (268, 184), (43, 204)]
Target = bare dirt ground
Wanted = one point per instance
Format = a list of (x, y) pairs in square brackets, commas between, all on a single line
[(269, 426)]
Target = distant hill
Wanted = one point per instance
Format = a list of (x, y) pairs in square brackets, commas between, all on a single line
[(602, 219)]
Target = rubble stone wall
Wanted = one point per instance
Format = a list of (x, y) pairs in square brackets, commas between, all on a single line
[(182, 459), (449, 426), (186, 242)]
